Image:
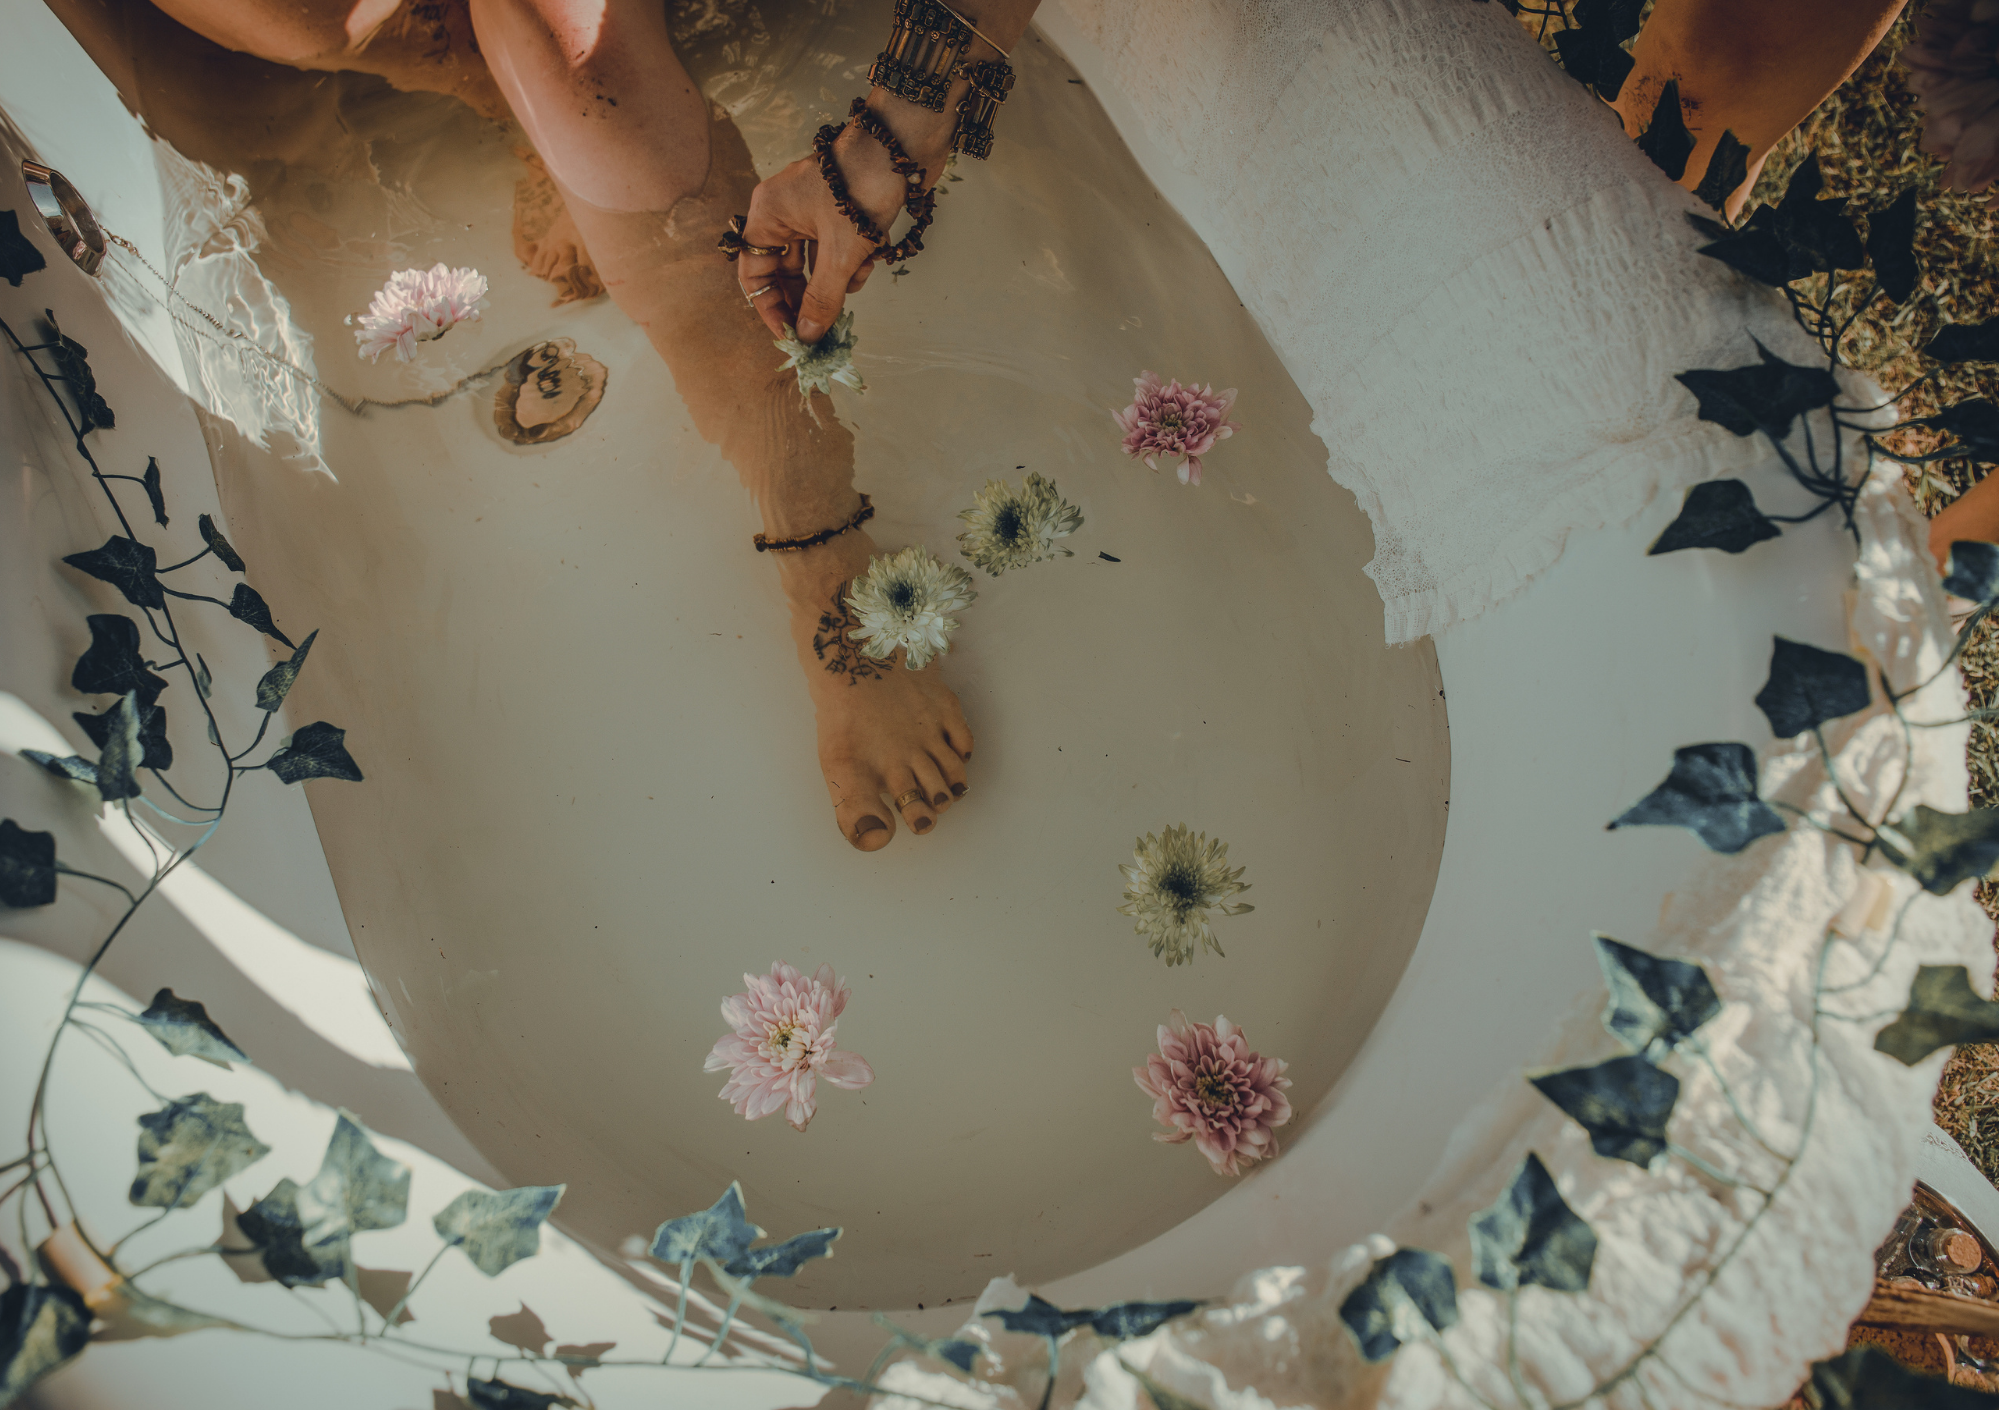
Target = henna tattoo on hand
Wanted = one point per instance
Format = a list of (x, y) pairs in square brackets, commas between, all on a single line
[(840, 654)]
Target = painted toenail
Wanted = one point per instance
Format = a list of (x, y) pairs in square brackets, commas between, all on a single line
[(958, 790), (867, 825), (939, 799), (922, 826)]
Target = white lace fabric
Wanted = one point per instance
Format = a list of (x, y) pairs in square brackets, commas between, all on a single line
[(1481, 286)]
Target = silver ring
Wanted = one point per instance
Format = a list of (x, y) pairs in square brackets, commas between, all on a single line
[(754, 295)]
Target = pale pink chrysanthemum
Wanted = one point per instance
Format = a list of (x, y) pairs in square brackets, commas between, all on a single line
[(1209, 1086), (1950, 69), (418, 305), (783, 1044), (1175, 421)]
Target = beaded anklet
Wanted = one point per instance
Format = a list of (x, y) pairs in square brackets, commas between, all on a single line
[(818, 537)]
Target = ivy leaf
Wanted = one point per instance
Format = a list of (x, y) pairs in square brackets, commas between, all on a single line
[(1622, 1103), (70, 768), (1809, 685), (27, 866), (188, 1148), (18, 257), (112, 662), (720, 1232), (783, 1259), (1753, 249), (1973, 423), (1137, 1318), (1758, 397), (1711, 790), (248, 605), (41, 1329), (204, 680), (956, 1352), (1406, 1287), (118, 764), (127, 566), (1964, 343), (1973, 570), (1943, 1010), (1868, 1377), (1818, 230), (185, 1029), (272, 687), (1656, 1002), (1717, 515), (272, 1224), (1667, 140), (1043, 1318), (1941, 850), (157, 753), (315, 751), (1728, 165), (1531, 1237), (154, 496), (72, 361), (357, 1189), (1592, 51), (1892, 235), (497, 1229), (498, 1394), (218, 544)]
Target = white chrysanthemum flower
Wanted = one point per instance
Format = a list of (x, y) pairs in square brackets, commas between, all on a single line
[(825, 363), (416, 306), (1012, 528), (1175, 878), (904, 601)]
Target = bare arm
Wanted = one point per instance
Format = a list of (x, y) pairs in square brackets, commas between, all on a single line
[(794, 205)]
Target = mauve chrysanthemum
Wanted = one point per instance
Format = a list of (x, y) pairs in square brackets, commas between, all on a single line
[(1176, 422), (417, 305), (782, 1044), (1209, 1086)]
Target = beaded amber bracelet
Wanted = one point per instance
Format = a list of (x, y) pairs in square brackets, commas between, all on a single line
[(920, 203), (764, 542)]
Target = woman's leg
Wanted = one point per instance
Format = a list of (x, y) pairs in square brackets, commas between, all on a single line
[(1753, 67), (883, 731), (420, 46)]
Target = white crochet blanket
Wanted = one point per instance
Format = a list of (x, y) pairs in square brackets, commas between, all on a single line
[(1481, 286)]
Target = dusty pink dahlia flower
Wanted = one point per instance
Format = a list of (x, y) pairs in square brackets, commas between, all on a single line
[(783, 1044), (417, 305), (1176, 422), (1212, 1088)]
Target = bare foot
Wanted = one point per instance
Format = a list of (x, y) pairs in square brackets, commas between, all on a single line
[(884, 731), (546, 240)]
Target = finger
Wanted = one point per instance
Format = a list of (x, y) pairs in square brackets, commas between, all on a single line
[(861, 276), (826, 292)]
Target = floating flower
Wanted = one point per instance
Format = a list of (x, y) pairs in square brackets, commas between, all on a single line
[(1010, 529), (782, 1045), (1175, 421), (903, 602), (416, 306), (1209, 1086), (1174, 880), (825, 363)]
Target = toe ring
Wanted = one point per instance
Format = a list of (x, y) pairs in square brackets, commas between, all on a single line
[(914, 793)]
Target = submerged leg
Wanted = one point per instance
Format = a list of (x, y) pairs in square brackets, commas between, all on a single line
[(1757, 68), (883, 730)]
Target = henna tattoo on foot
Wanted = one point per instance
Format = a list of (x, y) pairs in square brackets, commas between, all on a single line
[(845, 656)]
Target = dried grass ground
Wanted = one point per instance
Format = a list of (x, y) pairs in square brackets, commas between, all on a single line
[(1865, 135)]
